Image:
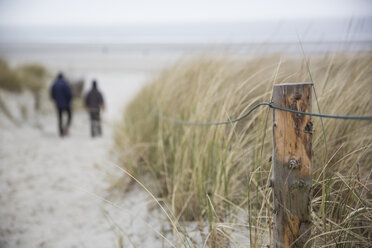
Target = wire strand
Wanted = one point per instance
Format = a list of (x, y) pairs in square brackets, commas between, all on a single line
[(271, 105), (212, 123), (345, 117)]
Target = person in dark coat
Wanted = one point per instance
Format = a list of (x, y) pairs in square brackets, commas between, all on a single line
[(62, 96), (94, 102)]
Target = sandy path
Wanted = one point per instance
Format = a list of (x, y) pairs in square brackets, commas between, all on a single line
[(48, 189)]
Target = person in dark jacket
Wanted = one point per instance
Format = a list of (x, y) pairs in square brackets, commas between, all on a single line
[(94, 102), (62, 96)]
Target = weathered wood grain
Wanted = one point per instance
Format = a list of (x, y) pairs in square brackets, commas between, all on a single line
[(292, 139)]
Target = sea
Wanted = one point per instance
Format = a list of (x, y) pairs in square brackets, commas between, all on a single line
[(125, 58)]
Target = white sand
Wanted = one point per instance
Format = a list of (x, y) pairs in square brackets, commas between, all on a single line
[(54, 191), (50, 190)]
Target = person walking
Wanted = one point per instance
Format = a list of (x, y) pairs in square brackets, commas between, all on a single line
[(62, 96), (94, 102)]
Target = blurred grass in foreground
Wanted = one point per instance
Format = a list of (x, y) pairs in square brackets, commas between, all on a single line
[(221, 173)]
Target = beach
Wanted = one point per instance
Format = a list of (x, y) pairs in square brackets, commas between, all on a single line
[(224, 124), (69, 192), (56, 192)]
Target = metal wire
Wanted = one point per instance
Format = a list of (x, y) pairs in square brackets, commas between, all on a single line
[(345, 117), (212, 123), (271, 105)]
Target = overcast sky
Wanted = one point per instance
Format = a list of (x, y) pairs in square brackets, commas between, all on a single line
[(123, 12)]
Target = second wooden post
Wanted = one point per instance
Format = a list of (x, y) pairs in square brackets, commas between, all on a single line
[(292, 140)]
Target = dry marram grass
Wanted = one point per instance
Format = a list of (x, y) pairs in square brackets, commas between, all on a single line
[(216, 173)]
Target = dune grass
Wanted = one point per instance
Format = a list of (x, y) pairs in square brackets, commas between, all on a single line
[(9, 80), (33, 76), (220, 174), (28, 76)]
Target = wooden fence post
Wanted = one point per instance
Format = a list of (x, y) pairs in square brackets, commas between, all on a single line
[(292, 140)]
